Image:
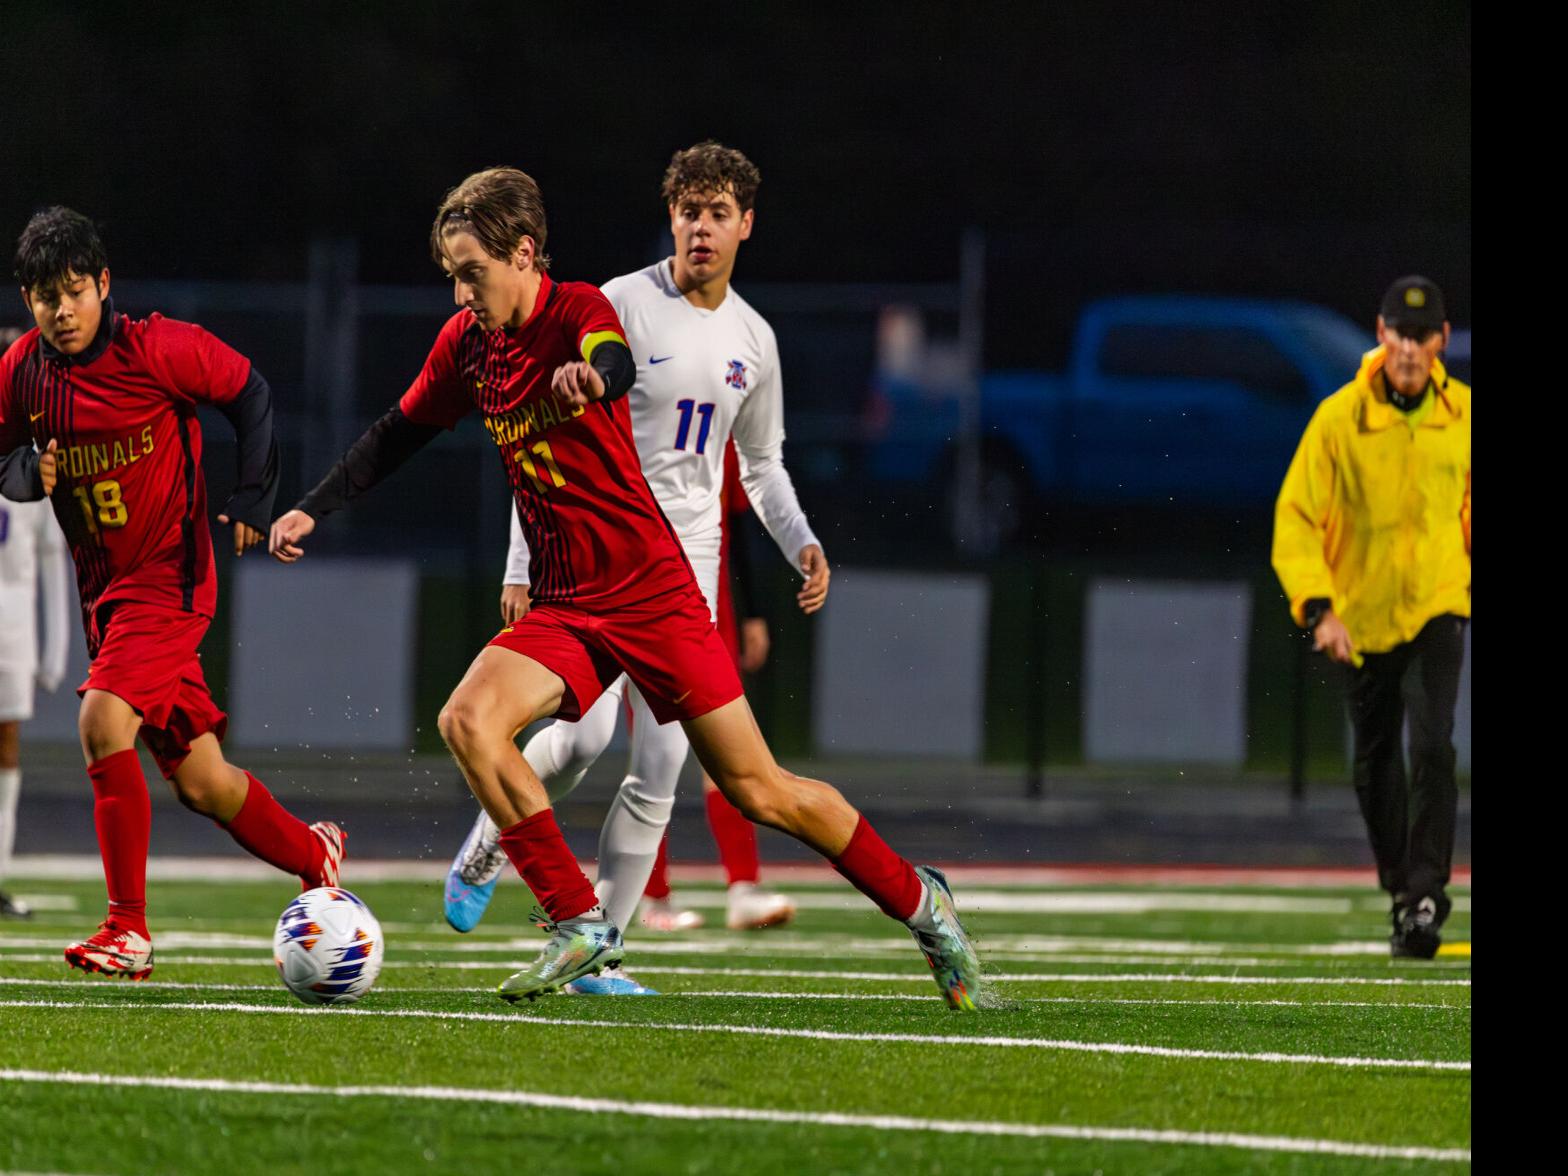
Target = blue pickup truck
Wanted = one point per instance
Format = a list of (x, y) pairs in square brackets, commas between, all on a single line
[(1168, 400)]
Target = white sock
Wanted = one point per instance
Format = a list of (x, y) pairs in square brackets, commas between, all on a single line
[(923, 918), (562, 753), (628, 845), (10, 790), (547, 754), (640, 812)]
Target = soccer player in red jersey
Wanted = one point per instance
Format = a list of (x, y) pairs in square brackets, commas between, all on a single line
[(547, 364), (98, 412)]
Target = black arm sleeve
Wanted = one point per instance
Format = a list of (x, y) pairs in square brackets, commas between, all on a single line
[(744, 529), (19, 477), (616, 367), (256, 485), (386, 445), (1312, 612)]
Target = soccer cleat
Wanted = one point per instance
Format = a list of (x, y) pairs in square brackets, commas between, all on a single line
[(475, 870), (13, 908), (615, 981), (334, 843), (577, 947), (113, 951), (751, 909), (1416, 927), (660, 914), (954, 965)]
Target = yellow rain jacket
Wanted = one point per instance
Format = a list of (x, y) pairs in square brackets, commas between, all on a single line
[(1374, 514)]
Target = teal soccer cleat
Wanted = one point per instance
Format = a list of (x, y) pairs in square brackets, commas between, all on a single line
[(475, 870), (954, 965), (615, 981), (577, 948)]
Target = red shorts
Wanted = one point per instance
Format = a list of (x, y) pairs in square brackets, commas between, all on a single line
[(146, 655), (667, 646)]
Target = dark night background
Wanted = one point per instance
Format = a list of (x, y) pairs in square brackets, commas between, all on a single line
[(1314, 150), (1280, 151), (1300, 151)]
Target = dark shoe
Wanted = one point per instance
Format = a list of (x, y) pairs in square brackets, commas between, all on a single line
[(11, 908), (1416, 927)]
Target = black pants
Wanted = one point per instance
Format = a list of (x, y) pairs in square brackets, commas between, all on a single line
[(1411, 823)]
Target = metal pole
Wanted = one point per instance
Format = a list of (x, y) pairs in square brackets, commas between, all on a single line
[(1298, 724), (331, 347), (1034, 780), (971, 341)]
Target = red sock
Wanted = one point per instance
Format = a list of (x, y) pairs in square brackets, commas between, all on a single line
[(539, 852), (735, 836), (269, 831), (658, 887), (122, 814), (880, 874)]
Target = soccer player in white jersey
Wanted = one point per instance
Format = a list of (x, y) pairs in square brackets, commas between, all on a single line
[(33, 564), (707, 370)]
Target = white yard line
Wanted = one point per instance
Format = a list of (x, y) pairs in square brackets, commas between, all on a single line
[(1022, 947), (604, 1106), (39, 903), (1063, 977), (1072, 1000), (741, 992), (1074, 902), (399, 955), (800, 974), (927, 1039), (88, 868), (212, 940), (1064, 949)]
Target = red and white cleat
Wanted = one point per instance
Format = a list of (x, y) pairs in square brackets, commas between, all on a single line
[(661, 914), (113, 951), (751, 909), (334, 843)]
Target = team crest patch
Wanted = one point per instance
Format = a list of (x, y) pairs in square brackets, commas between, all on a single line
[(736, 376)]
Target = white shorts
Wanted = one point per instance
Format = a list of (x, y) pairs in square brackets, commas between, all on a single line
[(16, 694), (706, 568)]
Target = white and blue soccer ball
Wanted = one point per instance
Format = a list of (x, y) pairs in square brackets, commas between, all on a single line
[(328, 947)]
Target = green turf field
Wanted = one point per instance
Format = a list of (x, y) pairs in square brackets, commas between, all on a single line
[(1143, 1029)]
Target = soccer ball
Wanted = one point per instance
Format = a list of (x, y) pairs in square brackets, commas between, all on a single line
[(327, 947)]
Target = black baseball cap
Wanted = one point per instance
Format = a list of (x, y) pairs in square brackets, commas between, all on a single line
[(1414, 304)]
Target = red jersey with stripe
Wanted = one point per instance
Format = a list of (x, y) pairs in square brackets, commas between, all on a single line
[(130, 498), (596, 537)]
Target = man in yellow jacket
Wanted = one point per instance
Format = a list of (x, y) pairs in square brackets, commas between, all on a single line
[(1372, 546)]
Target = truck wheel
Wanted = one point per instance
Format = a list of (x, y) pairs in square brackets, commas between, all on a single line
[(1001, 516)]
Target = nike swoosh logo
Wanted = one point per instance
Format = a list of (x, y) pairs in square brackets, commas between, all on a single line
[(659, 358), (33, 416), (682, 698)]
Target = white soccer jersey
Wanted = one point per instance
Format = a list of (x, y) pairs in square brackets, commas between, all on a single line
[(31, 546), (702, 376)]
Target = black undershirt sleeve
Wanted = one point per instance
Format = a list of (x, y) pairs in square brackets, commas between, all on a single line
[(256, 485), (385, 446), (1313, 611), (613, 361), (19, 477)]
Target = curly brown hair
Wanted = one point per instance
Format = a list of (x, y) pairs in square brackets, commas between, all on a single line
[(711, 167), (58, 241), (499, 206)]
